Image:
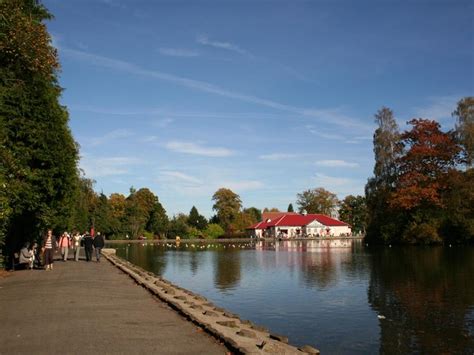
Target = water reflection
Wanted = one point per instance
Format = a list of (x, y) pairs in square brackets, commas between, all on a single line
[(226, 269), (426, 296), (328, 293)]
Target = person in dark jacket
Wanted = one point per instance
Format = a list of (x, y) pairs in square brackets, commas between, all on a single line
[(98, 245), (88, 242)]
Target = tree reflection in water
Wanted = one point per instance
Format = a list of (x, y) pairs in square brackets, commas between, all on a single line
[(427, 297), (226, 269)]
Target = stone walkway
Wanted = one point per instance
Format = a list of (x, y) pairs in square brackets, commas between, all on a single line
[(91, 308)]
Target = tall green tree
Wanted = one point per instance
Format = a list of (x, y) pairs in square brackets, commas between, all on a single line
[(196, 220), (317, 200), (85, 203), (381, 224), (158, 222), (290, 208), (254, 212), (178, 226), (37, 151), (139, 207), (353, 210), (464, 114), (227, 205)]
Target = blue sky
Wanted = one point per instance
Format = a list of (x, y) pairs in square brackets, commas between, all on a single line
[(267, 98)]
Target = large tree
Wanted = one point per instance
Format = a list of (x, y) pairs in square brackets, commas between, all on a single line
[(37, 152), (353, 210), (139, 208), (465, 127), (227, 205), (429, 155), (196, 220), (317, 200), (381, 225)]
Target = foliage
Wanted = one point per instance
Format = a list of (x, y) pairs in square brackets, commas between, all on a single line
[(254, 213), (273, 209), (178, 226), (290, 208), (317, 200), (227, 204), (214, 231), (38, 154), (196, 220), (353, 210), (158, 221), (465, 127), (428, 156), (421, 197), (378, 188)]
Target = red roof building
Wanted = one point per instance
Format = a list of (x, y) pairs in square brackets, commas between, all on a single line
[(293, 225)]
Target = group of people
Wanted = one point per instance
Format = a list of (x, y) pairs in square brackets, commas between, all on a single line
[(32, 256)]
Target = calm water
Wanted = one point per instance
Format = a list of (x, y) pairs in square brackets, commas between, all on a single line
[(330, 294)]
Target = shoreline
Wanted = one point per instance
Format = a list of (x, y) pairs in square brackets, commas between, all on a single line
[(227, 240), (240, 335)]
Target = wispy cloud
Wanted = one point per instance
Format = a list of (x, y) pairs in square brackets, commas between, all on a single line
[(198, 149), (438, 108), (336, 164), (178, 52), (162, 123), (340, 185), (277, 156), (334, 116), (111, 136), (205, 41), (172, 176), (114, 3), (243, 185), (95, 167)]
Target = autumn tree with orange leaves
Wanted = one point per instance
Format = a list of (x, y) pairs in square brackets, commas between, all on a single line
[(429, 156), (428, 195)]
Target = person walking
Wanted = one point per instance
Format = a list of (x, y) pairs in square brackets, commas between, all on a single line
[(88, 242), (64, 244), (76, 244), (98, 245), (49, 247)]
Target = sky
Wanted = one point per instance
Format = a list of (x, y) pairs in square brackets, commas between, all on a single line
[(267, 98)]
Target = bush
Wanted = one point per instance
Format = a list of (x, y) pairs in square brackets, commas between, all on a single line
[(213, 231), (423, 233)]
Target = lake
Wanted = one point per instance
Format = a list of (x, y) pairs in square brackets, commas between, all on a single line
[(339, 296)]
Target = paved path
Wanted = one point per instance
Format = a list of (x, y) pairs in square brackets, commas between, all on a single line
[(91, 308)]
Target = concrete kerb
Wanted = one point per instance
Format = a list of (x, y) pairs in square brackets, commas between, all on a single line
[(241, 336)]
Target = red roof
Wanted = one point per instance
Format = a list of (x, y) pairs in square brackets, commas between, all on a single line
[(295, 220), (275, 215)]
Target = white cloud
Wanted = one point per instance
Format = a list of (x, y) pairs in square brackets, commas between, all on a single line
[(172, 176), (163, 123), (278, 156), (178, 52), (197, 149), (149, 139), (114, 135), (340, 185), (439, 108), (107, 166), (336, 164), (205, 41), (243, 185)]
